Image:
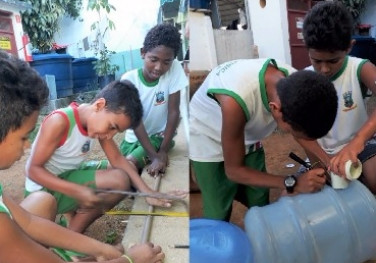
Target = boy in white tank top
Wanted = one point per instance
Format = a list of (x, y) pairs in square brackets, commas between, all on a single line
[(23, 93), (327, 31)]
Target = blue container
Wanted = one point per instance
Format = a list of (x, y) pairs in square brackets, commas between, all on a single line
[(59, 65), (199, 4), (84, 76), (217, 241), (326, 227)]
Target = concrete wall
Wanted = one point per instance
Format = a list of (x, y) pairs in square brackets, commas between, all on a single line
[(270, 29), (234, 44), (202, 47)]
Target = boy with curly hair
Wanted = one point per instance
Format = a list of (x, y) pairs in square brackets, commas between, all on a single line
[(327, 31), (159, 83)]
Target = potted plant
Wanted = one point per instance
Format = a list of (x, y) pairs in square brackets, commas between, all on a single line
[(41, 22), (104, 68)]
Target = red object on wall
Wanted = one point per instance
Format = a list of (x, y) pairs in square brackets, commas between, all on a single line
[(27, 47)]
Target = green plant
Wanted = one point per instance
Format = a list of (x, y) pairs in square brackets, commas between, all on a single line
[(355, 7), (103, 65), (41, 22)]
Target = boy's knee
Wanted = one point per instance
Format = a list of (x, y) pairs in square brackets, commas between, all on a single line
[(120, 179), (41, 203)]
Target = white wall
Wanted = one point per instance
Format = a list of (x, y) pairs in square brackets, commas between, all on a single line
[(132, 21), (369, 16), (201, 41), (270, 29)]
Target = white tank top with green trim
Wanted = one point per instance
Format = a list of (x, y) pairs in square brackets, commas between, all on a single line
[(3, 207), (71, 153), (243, 80), (352, 111)]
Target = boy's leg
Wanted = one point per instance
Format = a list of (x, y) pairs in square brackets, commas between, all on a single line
[(217, 191), (368, 159), (136, 154), (41, 204), (250, 195), (114, 179)]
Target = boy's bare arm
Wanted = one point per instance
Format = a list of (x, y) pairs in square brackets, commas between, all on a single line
[(40, 230), (143, 138), (312, 148), (117, 160), (172, 120), (51, 133), (233, 127), (160, 162), (16, 246), (356, 145)]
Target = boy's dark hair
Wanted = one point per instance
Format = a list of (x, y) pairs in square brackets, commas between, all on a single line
[(328, 26), (22, 92), (122, 97), (163, 34), (308, 102)]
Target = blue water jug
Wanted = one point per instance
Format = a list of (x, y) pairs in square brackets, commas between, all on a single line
[(214, 241), (326, 227)]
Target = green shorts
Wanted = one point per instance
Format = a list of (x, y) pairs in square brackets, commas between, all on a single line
[(85, 175), (137, 151), (218, 192)]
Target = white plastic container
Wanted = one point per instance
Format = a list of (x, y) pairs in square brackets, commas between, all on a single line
[(331, 226)]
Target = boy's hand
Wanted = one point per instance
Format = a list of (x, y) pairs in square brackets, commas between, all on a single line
[(158, 164), (311, 181), (146, 253), (110, 252), (349, 152), (87, 198), (166, 202)]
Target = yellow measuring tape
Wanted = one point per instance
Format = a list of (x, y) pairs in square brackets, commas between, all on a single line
[(142, 213)]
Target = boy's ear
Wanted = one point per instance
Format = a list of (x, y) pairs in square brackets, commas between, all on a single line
[(100, 104), (142, 52), (275, 108), (352, 43)]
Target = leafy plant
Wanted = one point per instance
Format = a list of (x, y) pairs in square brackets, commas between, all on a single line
[(41, 22), (103, 65), (355, 7)]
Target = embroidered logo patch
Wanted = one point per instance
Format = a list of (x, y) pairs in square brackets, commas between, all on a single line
[(159, 98), (348, 101), (86, 147)]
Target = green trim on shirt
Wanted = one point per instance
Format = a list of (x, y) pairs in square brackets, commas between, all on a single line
[(344, 65), (3, 208), (72, 122), (262, 72), (144, 81), (233, 95)]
